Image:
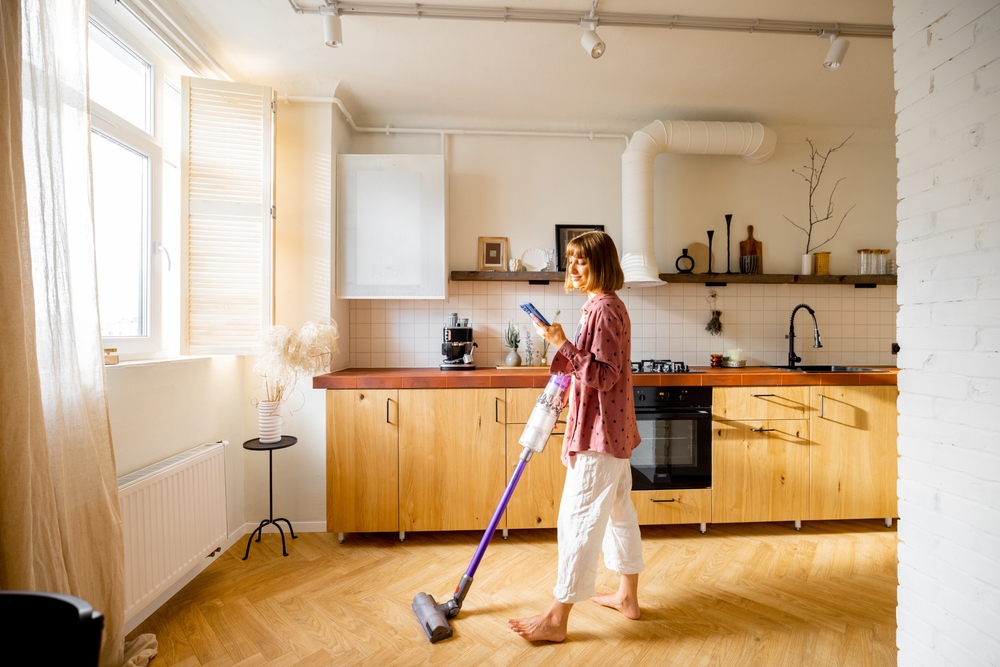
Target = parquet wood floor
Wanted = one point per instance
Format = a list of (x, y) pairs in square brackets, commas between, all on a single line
[(742, 594)]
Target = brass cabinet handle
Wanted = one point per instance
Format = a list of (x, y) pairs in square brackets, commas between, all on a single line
[(763, 430), (668, 500), (822, 406), (761, 395)]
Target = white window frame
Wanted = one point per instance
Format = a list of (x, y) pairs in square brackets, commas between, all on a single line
[(128, 135), (158, 277)]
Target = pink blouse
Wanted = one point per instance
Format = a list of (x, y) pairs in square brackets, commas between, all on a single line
[(602, 408)]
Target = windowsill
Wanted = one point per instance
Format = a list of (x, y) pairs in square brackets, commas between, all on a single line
[(132, 363)]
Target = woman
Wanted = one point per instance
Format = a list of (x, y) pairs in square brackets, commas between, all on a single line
[(600, 435)]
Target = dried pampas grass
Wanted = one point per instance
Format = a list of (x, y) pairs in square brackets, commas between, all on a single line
[(284, 356)]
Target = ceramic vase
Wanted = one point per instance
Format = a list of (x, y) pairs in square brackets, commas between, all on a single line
[(512, 359), (807, 265), (822, 263), (269, 422)]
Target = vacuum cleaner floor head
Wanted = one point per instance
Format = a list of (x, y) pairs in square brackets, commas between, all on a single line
[(432, 620)]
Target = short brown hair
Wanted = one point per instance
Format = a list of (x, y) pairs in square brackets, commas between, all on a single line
[(606, 275)]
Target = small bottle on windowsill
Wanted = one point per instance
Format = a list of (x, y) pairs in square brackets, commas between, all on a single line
[(110, 356)]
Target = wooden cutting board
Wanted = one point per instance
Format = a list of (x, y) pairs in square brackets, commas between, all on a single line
[(753, 247)]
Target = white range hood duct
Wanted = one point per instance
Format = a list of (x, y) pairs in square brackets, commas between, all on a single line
[(754, 142)]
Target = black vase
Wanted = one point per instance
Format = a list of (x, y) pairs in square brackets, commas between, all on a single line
[(711, 233), (687, 259), (729, 258)]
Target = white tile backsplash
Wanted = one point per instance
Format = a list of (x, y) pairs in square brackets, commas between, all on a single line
[(858, 326)]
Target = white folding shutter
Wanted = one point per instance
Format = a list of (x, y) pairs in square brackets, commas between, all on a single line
[(227, 194)]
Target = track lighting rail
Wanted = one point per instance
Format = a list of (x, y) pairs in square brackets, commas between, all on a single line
[(603, 19)]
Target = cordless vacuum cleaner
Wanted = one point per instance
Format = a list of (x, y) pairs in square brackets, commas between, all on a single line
[(434, 617)]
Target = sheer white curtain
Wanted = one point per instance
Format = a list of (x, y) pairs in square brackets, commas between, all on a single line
[(60, 523)]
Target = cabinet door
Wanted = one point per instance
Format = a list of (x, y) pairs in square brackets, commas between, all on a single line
[(451, 457), (535, 503), (362, 461), (854, 457), (760, 471)]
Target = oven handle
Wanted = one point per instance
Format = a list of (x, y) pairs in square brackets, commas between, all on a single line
[(669, 414)]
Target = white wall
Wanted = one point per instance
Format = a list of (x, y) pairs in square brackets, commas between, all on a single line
[(522, 187), (947, 62), (308, 138), (161, 408)]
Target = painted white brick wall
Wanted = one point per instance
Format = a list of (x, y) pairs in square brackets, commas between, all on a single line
[(947, 62)]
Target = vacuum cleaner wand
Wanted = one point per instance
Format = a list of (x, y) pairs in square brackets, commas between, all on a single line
[(433, 617)]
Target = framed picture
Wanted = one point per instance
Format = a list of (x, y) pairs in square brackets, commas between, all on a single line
[(493, 251), (565, 234)]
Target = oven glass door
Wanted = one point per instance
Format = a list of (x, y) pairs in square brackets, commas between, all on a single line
[(675, 451)]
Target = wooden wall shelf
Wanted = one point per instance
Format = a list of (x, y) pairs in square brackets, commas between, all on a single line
[(537, 277), (545, 277), (775, 278)]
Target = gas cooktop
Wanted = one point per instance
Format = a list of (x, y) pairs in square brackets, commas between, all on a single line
[(660, 366)]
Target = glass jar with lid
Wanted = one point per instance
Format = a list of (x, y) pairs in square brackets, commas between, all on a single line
[(864, 261)]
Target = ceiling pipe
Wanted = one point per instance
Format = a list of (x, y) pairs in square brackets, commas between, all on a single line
[(752, 141), (540, 15)]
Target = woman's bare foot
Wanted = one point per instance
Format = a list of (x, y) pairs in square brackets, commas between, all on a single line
[(549, 626), (625, 599), (629, 607)]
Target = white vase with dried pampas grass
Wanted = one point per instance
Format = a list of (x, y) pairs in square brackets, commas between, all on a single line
[(283, 357)]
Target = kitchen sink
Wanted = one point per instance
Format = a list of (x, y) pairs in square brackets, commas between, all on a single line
[(827, 369)]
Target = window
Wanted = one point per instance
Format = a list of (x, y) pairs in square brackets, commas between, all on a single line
[(120, 80), (135, 155), (121, 209)]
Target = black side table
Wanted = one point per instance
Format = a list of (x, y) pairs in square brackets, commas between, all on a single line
[(257, 445)]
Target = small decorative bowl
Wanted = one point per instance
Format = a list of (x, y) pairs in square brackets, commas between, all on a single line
[(729, 363)]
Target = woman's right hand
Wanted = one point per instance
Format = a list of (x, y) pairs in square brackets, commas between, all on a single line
[(554, 334)]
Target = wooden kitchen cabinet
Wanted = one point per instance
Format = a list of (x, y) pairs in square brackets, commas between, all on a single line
[(451, 457), (854, 460), (760, 470), (362, 461), (535, 503)]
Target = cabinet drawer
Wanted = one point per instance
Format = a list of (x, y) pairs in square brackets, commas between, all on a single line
[(679, 506), (759, 403), (520, 403)]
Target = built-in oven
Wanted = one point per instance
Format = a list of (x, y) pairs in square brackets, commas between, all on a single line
[(675, 424)]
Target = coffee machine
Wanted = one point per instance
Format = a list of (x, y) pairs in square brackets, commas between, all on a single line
[(458, 345)]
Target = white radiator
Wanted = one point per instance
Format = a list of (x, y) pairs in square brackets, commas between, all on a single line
[(173, 516)]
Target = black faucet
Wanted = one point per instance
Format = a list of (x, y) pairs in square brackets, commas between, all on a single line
[(792, 357)]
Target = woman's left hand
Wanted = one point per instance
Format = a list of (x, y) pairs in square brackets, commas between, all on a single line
[(554, 334)]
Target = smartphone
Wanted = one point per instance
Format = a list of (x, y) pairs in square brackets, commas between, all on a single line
[(529, 308)]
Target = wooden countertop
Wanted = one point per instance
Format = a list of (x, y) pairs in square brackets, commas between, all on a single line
[(433, 378)]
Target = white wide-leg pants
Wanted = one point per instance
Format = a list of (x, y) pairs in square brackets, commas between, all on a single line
[(596, 512)]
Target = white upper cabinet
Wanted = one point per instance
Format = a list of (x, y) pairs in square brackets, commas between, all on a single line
[(391, 227)]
